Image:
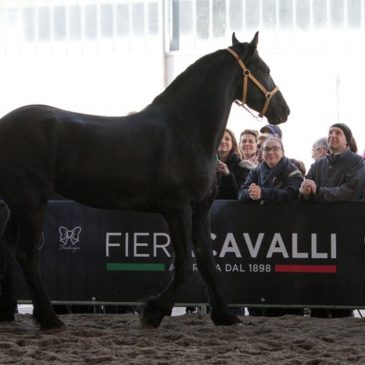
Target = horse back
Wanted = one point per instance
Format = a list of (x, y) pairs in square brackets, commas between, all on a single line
[(96, 160)]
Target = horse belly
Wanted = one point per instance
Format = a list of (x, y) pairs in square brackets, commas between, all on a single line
[(106, 187)]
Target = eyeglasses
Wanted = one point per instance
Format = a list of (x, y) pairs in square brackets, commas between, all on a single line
[(274, 149)]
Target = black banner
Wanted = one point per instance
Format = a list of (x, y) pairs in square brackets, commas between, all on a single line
[(301, 254)]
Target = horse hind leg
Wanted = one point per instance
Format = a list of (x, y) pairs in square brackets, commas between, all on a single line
[(4, 250), (219, 311), (27, 254), (179, 223), (8, 299)]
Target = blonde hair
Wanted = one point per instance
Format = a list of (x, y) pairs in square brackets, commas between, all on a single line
[(250, 131)]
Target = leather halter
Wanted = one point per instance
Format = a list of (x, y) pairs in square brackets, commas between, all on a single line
[(248, 75)]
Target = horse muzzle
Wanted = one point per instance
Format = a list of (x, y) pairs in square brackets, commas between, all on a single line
[(278, 111)]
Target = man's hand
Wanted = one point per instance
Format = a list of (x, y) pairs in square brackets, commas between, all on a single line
[(308, 188)]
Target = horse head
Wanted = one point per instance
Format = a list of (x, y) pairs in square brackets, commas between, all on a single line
[(258, 89)]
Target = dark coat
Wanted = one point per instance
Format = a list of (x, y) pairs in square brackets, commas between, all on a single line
[(338, 177), (279, 184), (228, 186)]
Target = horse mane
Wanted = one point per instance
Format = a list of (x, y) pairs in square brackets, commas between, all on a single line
[(192, 76)]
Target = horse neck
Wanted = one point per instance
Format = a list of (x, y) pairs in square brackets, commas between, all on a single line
[(201, 98)]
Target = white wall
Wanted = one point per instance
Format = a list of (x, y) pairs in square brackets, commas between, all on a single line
[(111, 84)]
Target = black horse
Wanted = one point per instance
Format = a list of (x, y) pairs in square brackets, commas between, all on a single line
[(161, 159)]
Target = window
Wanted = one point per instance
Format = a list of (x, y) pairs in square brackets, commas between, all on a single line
[(219, 18), (29, 22), (302, 10), (44, 23), (106, 21), (354, 13), (78, 21), (74, 15), (122, 20), (59, 23), (286, 14), (252, 12)]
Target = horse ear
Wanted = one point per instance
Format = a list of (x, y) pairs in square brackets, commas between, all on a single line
[(255, 40), (234, 39)]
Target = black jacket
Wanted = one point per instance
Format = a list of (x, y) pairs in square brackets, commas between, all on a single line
[(338, 177), (228, 186), (279, 184)]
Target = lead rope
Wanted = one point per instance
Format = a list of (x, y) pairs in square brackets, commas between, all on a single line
[(257, 117)]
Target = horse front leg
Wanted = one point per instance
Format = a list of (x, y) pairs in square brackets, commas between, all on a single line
[(8, 298), (27, 254), (179, 223), (219, 311)]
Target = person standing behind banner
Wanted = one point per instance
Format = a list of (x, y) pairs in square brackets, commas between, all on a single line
[(272, 131), (338, 177), (248, 148), (299, 164), (261, 138), (320, 148), (275, 179), (268, 130), (230, 173)]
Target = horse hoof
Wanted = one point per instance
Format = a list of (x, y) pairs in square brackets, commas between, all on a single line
[(7, 317), (53, 330), (51, 324), (153, 313), (146, 324), (225, 318)]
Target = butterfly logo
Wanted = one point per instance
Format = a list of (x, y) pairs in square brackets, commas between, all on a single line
[(69, 236)]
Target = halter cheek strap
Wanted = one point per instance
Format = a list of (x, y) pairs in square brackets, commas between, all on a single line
[(248, 75)]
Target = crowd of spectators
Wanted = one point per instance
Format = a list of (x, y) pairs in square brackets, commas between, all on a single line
[(257, 169), (262, 173)]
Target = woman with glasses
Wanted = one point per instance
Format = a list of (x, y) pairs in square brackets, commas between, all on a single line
[(275, 179)]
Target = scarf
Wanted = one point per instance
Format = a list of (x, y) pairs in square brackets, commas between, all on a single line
[(269, 176)]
